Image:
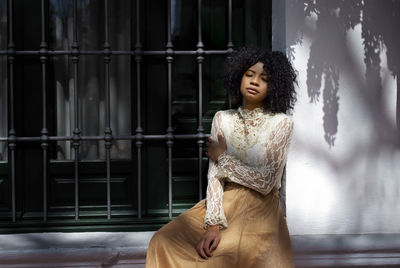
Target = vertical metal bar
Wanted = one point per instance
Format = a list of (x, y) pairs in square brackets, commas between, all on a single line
[(44, 132), (170, 136), (199, 38), (108, 133), (139, 129), (12, 133), (77, 132), (230, 43), (200, 129)]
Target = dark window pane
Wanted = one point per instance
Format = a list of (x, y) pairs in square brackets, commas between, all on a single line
[(153, 22), (3, 80), (3, 24), (91, 77), (3, 107), (184, 24), (215, 30)]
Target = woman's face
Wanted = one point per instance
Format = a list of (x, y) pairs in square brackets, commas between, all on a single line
[(254, 85)]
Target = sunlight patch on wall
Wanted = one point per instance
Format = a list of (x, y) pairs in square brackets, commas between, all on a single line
[(351, 186)]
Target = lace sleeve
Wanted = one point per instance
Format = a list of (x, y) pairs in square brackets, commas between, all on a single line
[(261, 178), (215, 191)]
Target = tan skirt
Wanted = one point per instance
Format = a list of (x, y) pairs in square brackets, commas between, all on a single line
[(257, 234)]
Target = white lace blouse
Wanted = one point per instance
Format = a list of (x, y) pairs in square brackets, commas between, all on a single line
[(257, 147)]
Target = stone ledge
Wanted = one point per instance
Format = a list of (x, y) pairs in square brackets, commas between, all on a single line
[(97, 249), (115, 257), (120, 249), (351, 250)]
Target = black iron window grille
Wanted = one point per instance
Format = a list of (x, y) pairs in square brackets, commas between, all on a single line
[(64, 54)]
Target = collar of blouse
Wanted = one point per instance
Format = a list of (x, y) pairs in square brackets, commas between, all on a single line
[(251, 114)]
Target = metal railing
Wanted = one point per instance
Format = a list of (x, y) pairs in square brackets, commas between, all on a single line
[(76, 138)]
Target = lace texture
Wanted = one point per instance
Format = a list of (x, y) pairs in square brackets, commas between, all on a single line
[(257, 150), (215, 190)]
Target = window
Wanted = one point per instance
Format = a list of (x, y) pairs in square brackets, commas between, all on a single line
[(132, 87)]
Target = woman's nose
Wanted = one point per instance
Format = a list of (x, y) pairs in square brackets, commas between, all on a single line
[(254, 82)]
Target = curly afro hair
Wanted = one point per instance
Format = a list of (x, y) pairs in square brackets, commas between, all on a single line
[(281, 77)]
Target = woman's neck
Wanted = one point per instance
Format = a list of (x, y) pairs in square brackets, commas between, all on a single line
[(251, 106)]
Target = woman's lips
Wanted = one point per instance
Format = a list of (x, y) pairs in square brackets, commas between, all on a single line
[(252, 90)]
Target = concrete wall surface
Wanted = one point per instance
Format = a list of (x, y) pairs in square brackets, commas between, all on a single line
[(343, 172)]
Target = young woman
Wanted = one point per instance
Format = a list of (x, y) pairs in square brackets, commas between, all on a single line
[(240, 223)]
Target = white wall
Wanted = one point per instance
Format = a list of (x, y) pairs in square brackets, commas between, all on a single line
[(343, 173)]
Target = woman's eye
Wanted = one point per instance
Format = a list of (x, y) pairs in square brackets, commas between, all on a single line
[(248, 75)]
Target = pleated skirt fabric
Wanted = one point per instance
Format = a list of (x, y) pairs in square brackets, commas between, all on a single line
[(257, 235)]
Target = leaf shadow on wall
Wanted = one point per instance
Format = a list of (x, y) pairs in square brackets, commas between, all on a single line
[(366, 171), (329, 53)]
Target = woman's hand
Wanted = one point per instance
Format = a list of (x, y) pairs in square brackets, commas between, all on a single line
[(209, 242), (215, 148)]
